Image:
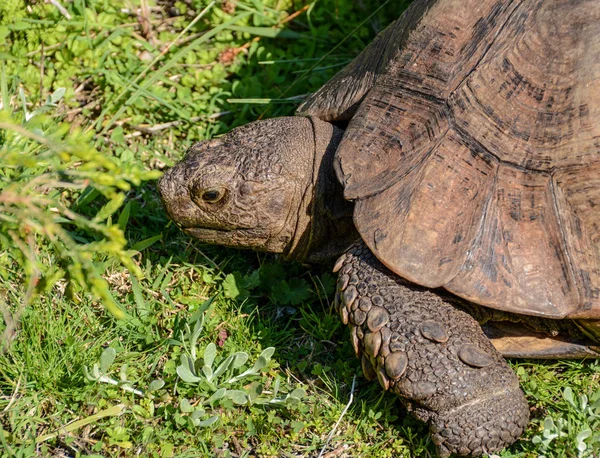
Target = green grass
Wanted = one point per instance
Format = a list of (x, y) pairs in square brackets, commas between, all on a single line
[(93, 105)]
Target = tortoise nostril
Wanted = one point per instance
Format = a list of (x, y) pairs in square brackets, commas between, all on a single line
[(246, 189)]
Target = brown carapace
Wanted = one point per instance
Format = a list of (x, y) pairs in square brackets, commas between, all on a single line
[(474, 153)]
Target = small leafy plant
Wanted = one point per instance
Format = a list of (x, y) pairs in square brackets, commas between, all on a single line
[(580, 428), (100, 370), (57, 197), (214, 383), (231, 371)]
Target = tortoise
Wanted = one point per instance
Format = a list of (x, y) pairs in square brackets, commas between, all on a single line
[(455, 166)]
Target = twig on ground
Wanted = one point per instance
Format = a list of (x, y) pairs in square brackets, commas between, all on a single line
[(145, 19), (339, 419), (46, 48), (14, 396), (337, 452)]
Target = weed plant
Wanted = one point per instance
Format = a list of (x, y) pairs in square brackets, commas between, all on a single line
[(122, 337)]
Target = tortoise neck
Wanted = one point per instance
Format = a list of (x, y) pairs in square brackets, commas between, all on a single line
[(325, 228)]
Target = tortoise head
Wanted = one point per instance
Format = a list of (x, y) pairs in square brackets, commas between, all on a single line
[(255, 187)]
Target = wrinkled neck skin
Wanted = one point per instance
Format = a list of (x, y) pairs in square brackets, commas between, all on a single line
[(324, 228)]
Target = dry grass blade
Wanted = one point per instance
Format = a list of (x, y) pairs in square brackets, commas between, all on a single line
[(351, 398), (157, 73), (61, 8)]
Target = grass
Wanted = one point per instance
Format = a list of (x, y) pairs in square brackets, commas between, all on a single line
[(221, 353)]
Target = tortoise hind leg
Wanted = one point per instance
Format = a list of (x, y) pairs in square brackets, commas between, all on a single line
[(431, 354), (591, 328), (513, 340)]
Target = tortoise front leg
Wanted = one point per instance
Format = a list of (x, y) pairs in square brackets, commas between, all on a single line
[(432, 355)]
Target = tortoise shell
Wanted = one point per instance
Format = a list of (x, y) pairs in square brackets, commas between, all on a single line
[(473, 150)]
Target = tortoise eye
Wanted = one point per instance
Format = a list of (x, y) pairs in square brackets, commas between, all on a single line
[(207, 195), (212, 196)]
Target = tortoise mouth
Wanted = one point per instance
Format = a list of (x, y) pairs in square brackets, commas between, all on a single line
[(202, 232), (213, 236), (235, 237)]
